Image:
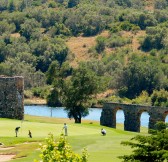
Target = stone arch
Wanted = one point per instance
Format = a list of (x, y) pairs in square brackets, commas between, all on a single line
[(165, 115), (132, 115), (118, 117), (140, 117), (115, 113)]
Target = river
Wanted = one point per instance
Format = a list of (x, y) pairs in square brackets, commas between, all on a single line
[(94, 113)]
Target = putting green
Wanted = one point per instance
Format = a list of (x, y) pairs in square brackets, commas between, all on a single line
[(100, 148)]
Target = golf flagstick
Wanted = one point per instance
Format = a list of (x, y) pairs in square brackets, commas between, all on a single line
[(21, 126)]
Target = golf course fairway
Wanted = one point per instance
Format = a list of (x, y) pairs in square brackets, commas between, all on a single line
[(85, 135)]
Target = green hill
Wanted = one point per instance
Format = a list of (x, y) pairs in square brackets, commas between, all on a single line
[(123, 42)]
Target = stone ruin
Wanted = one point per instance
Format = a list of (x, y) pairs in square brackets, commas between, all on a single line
[(132, 114), (12, 97)]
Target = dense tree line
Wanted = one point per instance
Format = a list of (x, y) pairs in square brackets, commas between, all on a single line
[(33, 35)]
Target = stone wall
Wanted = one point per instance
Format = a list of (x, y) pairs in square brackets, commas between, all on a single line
[(132, 114), (12, 97)]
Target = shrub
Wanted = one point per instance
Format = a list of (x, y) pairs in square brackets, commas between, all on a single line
[(59, 151), (159, 98), (117, 41), (149, 148), (100, 46), (28, 94), (41, 92), (127, 26), (143, 99)]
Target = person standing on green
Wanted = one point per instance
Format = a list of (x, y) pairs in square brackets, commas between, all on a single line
[(17, 130), (30, 134), (66, 129)]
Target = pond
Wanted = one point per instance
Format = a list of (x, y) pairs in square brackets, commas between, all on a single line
[(94, 113)]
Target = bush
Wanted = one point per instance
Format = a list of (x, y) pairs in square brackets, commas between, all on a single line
[(41, 92), (100, 46), (59, 151), (52, 4), (114, 28), (160, 98), (149, 148), (28, 94), (117, 41), (143, 99), (127, 26)]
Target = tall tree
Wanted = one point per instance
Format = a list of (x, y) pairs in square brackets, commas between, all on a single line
[(77, 93), (55, 76)]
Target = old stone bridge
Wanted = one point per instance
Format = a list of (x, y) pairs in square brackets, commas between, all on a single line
[(132, 114)]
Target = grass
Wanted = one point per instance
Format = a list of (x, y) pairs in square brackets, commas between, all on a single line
[(100, 148)]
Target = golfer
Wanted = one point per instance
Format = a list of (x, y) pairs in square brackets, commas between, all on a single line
[(17, 130), (66, 129)]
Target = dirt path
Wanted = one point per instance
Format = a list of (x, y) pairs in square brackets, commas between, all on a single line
[(6, 157), (150, 5), (135, 41)]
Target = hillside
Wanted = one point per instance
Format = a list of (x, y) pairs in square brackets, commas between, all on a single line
[(79, 47), (123, 42)]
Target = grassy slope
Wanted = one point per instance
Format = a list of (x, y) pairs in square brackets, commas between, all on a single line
[(100, 148)]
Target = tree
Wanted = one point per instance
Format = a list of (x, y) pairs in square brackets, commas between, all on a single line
[(148, 148), (74, 23), (52, 72), (156, 38), (160, 4), (53, 98), (139, 77), (92, 24), (2, 51), (159, 98), (3, 5), (60, 151), (11, 6), (17, 18), (72, 3), (78, 91), (29, 27), (100, 46), (5, 27), (55, 76)]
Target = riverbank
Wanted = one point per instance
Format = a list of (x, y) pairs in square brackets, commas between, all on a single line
[(35, 101), (40, 101)]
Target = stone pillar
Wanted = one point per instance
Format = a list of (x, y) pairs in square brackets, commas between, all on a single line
[(155, 117), (12, 97), (132, 121), (108, 118)]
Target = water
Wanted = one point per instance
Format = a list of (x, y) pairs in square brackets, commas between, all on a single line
[(94, 113), (42, 110)]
